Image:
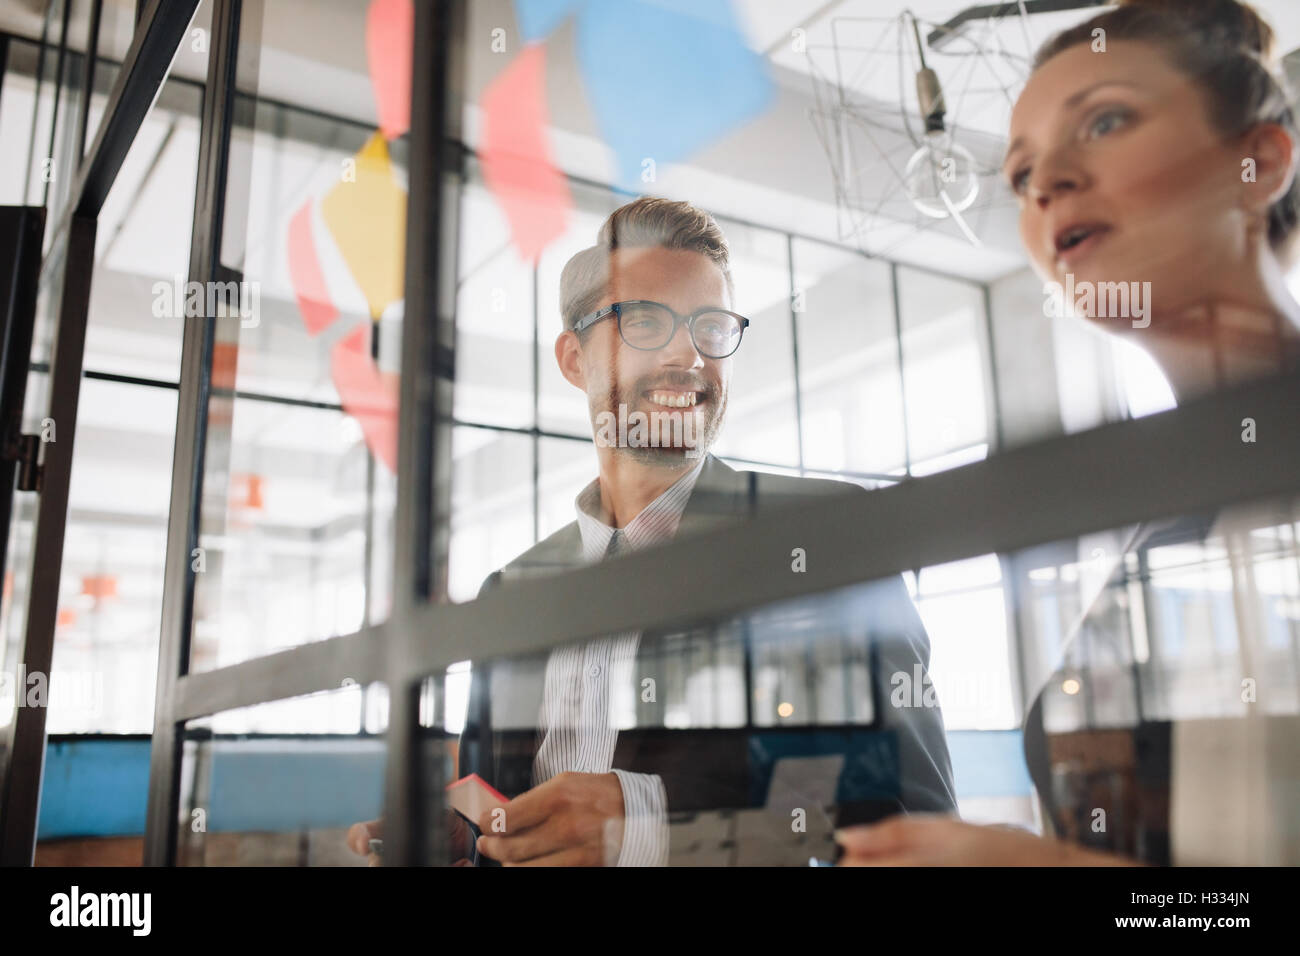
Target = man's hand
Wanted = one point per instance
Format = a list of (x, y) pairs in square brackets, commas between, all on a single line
[(360, 835), (928, 839), (574, 819)]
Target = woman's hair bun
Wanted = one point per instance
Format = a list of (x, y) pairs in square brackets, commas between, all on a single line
[(1229, 22)]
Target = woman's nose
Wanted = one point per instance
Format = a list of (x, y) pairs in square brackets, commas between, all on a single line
[(1054, 177)]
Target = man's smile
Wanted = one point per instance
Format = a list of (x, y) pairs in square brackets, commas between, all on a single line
[(674, 397)]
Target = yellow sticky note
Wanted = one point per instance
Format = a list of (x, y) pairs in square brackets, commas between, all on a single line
[(365, 212)]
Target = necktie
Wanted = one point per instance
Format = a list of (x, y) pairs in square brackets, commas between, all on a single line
[(615, 543)]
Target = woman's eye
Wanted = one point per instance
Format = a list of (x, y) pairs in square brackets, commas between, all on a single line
[(1107, 122)]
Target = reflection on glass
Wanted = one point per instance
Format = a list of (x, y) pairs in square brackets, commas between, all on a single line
[(299, 482), (15, 594), (19, 120), (761, 422), (142, 247), (1173, 713), (111, 583), (492, 505), (944, 355), (1157, 668), (963, 606), (759, 733), (852, 395), (494, 320), (565, 468), (561, 407), (306, 534), (38, 167), (64, 155), (280, 784)]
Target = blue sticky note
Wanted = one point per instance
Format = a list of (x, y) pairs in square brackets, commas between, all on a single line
[(667, 77), (537, 18)]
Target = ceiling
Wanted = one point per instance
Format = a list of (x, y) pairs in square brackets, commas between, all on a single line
[(314, 58)]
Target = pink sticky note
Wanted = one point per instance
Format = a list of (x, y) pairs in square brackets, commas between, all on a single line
[(516, 158), (472, 796), (390, 26), (305, 274), (367, 394)]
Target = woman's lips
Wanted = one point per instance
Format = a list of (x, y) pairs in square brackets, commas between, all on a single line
[(1070, 257)]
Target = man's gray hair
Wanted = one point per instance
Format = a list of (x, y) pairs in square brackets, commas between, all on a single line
[(644, 222)]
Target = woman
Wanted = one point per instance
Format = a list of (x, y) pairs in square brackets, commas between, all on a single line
[(1159, 151)]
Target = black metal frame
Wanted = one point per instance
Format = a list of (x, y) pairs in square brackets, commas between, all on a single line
[(144, 68), (190, 443), (1050, 491), (22, 230)]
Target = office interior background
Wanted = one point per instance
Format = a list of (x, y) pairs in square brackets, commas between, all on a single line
[(886, 345)]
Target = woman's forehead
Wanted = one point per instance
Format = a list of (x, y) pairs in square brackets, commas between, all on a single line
[(1075, 70)]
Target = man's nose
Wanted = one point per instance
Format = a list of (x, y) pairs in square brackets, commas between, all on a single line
[(680, 352)]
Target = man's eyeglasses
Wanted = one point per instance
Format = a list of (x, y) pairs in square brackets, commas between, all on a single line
[(650, 325)]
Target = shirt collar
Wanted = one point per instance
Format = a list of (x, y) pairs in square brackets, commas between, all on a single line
[(656, 523)]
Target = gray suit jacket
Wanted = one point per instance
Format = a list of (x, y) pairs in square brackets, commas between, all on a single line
[(703, 769)]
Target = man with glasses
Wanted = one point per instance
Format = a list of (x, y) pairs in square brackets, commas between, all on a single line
[(650, 337)]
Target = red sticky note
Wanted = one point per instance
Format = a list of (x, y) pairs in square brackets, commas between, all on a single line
[(472, 796), (367, 394), (305, 274), (390, 27), (516, 157)]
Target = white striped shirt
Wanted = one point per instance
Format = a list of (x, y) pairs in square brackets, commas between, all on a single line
[(578, 726)]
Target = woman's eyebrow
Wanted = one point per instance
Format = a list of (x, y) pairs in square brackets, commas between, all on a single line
[(1078, 97), (1074, 100)]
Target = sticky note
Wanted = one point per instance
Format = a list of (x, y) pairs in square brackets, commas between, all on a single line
[(537, 18), (390, 28), (667, 77), (472, 796), (367, 394), (366, 215), (516, 156), (305, 274)]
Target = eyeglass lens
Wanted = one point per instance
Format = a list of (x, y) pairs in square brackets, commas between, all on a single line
[(649, 326)]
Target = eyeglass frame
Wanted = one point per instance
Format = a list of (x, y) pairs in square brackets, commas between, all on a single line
[(616, 309)]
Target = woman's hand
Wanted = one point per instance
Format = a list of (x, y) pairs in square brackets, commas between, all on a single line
[(929, 839), (457, 833)]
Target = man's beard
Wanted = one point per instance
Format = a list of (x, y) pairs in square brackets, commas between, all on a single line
[(712, 410)]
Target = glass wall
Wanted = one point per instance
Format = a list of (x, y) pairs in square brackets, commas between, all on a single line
[(855, 367), (281, 784), (298, 493)]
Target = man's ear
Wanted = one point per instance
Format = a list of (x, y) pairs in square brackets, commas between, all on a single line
[(1274, 159), (568, 355)]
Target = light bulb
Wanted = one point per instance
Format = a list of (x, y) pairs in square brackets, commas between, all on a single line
[(940, 168)]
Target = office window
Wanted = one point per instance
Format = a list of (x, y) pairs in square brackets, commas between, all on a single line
[(494, 320), (301, 432), (21, 119), (492, 505), (762, 425), (280, 784), (944, 382), (852, 395), (964, 611)]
